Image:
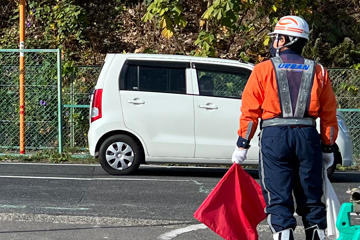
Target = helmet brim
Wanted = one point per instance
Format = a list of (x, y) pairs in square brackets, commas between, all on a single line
[(286, 34)]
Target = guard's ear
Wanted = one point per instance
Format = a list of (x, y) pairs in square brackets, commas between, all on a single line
[(282, 39)]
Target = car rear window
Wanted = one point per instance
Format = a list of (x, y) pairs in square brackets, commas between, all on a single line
[(155, 79)]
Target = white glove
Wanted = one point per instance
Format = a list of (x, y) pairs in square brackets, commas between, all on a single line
[(239, 155), (328, 159)]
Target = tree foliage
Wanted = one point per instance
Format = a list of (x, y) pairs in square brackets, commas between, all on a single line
[(86, 30)]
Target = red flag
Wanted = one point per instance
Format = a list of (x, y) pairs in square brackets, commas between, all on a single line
[(234, 207)]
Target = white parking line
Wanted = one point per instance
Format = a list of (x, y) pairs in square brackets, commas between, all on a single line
[(52, 164), (172, 234), (97, 179)]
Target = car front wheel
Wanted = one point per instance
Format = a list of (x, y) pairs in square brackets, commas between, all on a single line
[(120, 155)]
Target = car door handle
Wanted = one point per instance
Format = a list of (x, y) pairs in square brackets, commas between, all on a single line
[(208, 106), (136, 101)]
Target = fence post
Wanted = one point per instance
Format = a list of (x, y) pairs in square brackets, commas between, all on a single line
[(72, 102), (22, 76), (60, 107)]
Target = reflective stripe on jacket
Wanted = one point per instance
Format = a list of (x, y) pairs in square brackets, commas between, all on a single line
[(260, 99)]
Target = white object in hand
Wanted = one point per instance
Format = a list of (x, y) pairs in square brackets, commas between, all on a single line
[(239, 155), (328, 159)]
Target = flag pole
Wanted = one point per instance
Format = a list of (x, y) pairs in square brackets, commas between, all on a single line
[(22, 75)]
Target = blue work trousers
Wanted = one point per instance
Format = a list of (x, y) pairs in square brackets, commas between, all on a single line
[(291, 166)]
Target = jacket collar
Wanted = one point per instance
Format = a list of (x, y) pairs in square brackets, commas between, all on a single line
[(288, 51)]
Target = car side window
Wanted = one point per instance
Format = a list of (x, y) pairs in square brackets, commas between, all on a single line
[(155, 79), (221, 81)]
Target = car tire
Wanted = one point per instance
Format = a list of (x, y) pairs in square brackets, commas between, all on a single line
[(337, 160), (120, 155)]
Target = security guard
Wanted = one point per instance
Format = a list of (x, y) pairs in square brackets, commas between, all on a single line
[(288, 92)]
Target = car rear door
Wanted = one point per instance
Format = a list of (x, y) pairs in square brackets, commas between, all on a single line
[(217, 110), (156, 107)]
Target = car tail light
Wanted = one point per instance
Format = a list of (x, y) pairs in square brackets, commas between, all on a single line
[(96, 105)]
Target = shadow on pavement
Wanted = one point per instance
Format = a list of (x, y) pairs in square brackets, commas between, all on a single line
[(218, 172), (211, 172)]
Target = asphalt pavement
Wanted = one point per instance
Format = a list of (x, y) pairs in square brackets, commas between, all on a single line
[(60, 201)]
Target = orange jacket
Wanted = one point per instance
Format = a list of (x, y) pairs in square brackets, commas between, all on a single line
[(260, 99)]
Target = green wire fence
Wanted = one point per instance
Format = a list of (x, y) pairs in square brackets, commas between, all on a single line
[(43, 100), (57, 104)]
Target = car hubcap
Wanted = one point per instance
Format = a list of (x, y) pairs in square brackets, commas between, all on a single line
[(119, 155)]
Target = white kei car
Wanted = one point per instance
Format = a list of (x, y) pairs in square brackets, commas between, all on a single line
[(149, 108)]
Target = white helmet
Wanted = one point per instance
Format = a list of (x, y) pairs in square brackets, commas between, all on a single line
[(292, 26)]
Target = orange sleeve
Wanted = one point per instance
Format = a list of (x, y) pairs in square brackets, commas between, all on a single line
[(327, 113), (252, 99)]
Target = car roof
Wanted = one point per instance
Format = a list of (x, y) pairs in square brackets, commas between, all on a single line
[(168, 57)]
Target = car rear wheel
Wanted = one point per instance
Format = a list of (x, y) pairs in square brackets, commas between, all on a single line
[(120, 155)]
